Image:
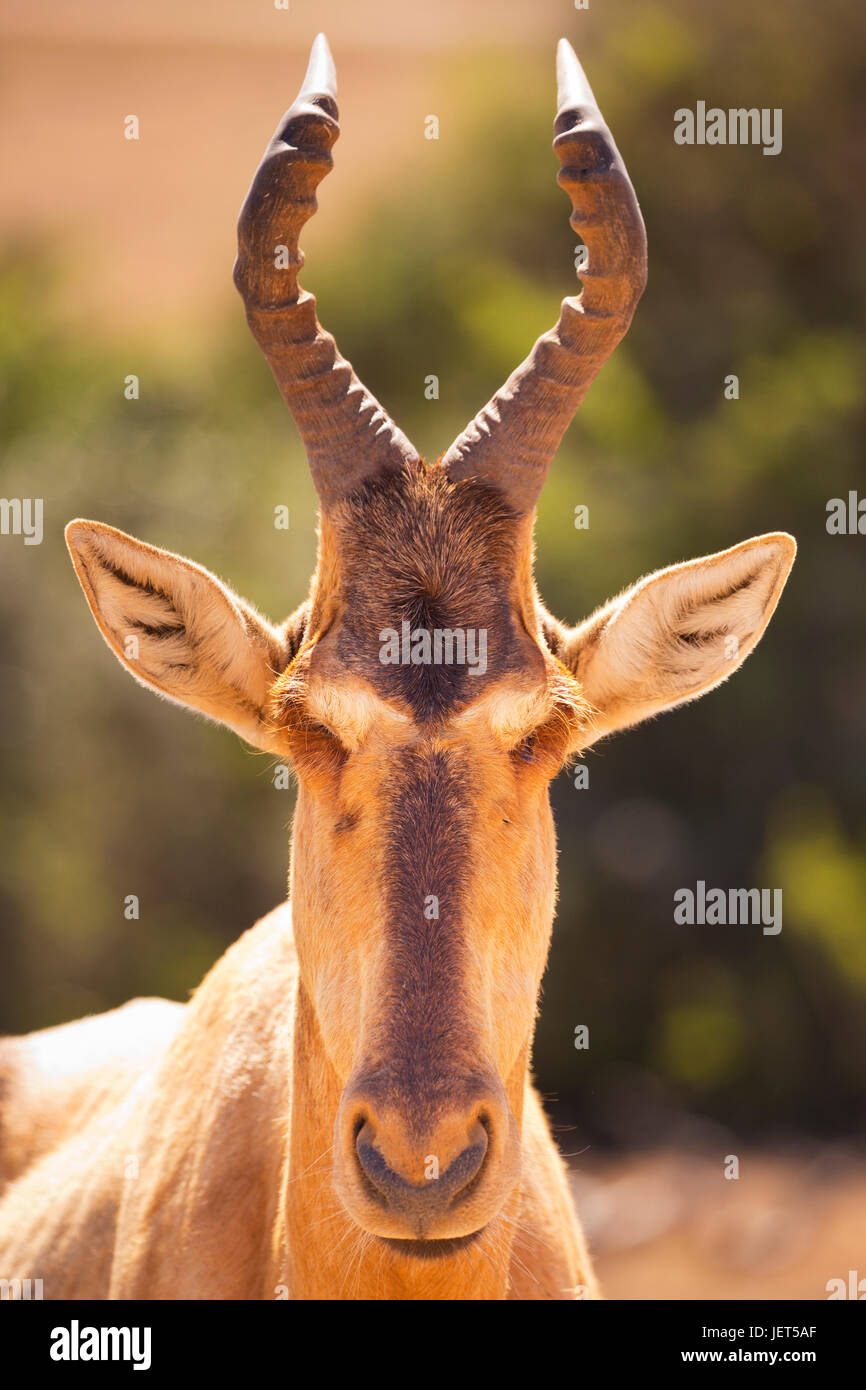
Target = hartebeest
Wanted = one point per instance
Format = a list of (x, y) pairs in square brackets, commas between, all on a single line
[(345, 1108)]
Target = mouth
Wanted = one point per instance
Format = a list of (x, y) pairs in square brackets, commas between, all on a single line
[(431, 1249)]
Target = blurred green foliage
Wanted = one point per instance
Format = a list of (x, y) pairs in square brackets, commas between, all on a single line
[(757, 269)]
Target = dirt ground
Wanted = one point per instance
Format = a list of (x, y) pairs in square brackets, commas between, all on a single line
[(671, 1226)]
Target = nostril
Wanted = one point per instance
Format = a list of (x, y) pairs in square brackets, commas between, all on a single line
[(467, 1170), (372, 1168)]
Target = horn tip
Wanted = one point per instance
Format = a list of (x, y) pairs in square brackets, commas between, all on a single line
[(321, 74), (573, 89)]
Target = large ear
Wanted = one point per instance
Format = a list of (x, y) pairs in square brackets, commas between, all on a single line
[(178, 630), (677, 633)]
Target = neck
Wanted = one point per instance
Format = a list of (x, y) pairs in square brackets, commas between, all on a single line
[(329, 1256)]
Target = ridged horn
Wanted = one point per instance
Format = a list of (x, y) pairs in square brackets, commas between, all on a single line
[(347, 434), (512, 441)]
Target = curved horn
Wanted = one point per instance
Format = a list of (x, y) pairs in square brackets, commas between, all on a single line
[(346, 432), (511, 442)]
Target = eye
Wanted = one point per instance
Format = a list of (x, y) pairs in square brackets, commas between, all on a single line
[(316, 749), (311, 726), (526, 748), (309, 730), (315, 734), (544, 748)]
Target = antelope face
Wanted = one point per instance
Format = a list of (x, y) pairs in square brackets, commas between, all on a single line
[(424, 695), (423, 853)]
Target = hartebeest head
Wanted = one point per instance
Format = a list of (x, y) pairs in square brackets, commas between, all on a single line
[(423, 693)]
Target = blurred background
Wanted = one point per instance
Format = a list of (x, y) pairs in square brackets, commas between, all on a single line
[(448, 257)]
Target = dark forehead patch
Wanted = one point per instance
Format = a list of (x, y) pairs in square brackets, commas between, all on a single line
[(417, 549)]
